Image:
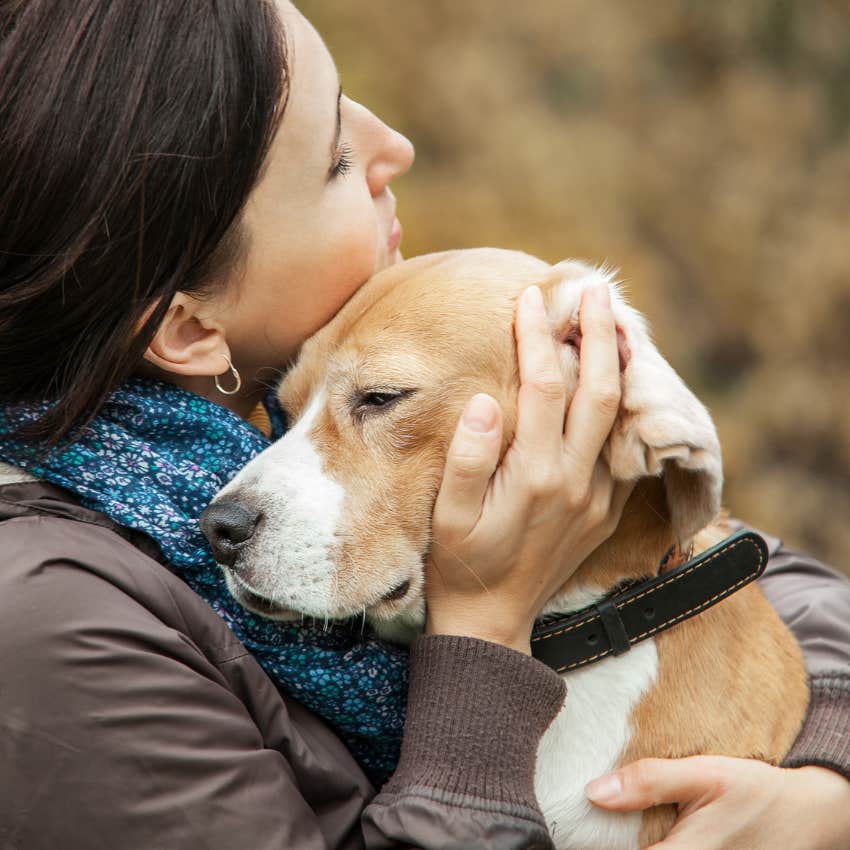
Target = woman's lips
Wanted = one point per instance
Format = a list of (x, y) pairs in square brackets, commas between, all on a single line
[(395, 236)]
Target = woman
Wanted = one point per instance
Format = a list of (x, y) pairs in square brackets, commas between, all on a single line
[(218, 201)]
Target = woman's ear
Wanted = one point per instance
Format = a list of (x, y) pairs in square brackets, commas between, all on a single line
[(188, 342)]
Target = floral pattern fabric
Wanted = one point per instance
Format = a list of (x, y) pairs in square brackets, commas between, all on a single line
[(152, 461)]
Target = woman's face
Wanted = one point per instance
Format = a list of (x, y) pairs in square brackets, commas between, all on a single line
[(321, 221)]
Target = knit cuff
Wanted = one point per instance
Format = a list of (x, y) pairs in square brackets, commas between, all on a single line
[(476, 712), (825, 738)]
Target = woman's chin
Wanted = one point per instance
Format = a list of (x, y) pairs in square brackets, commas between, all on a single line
[(390, 259)]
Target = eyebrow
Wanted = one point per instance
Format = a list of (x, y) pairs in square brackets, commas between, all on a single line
[(338, 130)]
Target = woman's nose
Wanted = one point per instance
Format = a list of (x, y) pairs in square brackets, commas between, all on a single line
[(393, 157)]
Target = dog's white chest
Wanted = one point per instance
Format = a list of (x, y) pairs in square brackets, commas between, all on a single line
[(586, 741)]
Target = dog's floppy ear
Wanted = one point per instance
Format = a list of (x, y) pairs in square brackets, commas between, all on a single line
[(661, 427)]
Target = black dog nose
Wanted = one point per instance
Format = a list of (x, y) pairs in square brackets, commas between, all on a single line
[(228, 526)]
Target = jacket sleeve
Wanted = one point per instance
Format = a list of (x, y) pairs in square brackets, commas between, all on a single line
[(117, 731), (814, 601), (476, 713)]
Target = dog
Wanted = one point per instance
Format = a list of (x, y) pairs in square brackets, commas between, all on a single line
[(334, 519)]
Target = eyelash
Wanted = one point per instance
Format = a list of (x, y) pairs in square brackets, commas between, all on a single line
[(344, 161)]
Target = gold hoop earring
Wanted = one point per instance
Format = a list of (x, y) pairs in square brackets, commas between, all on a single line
[(236, 377)]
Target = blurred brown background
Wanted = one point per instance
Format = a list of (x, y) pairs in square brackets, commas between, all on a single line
[(703, 148)]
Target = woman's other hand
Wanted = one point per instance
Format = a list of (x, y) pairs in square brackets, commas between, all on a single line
[(735, 804), (507, 536)]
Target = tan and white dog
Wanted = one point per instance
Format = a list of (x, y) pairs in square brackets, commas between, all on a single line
[(344, 504)]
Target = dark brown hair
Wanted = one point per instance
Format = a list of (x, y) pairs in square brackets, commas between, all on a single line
[(131, 134)]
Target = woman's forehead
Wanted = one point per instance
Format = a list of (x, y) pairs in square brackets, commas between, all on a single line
[(310, 117)]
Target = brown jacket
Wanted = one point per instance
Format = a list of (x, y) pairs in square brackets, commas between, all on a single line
[(131, 717)]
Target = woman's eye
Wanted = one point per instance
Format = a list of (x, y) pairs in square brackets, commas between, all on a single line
[(344, 161)]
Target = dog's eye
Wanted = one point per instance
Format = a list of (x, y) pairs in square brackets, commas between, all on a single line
[(379, 399), (374, 401)]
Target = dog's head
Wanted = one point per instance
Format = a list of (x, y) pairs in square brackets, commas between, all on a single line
[(334, 519)]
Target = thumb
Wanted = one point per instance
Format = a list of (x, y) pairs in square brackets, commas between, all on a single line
[(650, 782), (472, 458)]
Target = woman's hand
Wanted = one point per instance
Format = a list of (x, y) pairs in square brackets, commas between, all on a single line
[(507, 538), (735, 804)]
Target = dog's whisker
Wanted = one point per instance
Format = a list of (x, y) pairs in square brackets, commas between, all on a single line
[(439, 571), (660, 516), (463, 563)]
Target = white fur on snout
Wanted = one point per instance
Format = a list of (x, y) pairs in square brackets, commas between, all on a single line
[(292, 557)]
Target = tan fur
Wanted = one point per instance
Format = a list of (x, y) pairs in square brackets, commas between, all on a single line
[(731, 680), (394, 464)]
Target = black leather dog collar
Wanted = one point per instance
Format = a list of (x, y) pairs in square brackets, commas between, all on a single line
[(614, 625)]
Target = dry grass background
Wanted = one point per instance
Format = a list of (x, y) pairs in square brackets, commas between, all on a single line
[(703, 148)]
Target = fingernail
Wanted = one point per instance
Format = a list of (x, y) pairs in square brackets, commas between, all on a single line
[(534, 299), (605, 789), (480, 414)]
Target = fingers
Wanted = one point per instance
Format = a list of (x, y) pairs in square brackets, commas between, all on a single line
[(704, 838), (470, 464), (596, 402), (649, 782), (542, 393), (605, 500), (672, 843)]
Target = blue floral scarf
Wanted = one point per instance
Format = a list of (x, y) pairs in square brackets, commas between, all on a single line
[(152, 461)]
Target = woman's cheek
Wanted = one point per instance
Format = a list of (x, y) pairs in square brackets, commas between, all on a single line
[(343, 270), (356, 255), (331, 266)]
